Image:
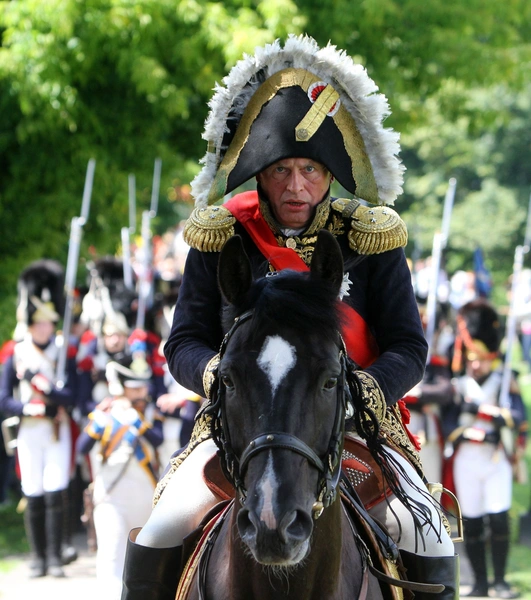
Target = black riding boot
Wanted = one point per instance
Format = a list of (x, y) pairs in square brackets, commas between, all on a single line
[(433, 569), (68, 550), (499, 542), (150, 573), (474, 531), (54, 532), (36, 534)]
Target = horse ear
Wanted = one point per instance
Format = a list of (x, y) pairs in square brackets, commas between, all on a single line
[(327, 260), (234, 270)]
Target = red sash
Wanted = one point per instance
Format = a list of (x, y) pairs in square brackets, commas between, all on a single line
[(360, 342)]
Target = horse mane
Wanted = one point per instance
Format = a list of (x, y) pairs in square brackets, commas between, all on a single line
[(289, 300)]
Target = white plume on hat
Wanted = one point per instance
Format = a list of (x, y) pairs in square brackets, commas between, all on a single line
[(357, 92)]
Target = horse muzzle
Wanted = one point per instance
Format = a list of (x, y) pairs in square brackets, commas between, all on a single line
[(282, 542)]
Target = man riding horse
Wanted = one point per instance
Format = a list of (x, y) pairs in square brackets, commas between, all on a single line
[(296, 118)]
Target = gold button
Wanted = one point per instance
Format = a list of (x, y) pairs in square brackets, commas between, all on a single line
[(302, 134), (291, 243)]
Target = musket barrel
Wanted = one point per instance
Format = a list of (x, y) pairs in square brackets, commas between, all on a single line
[(132, 203), (156, 187), (71, 270), (126, 254), (70, 283), (87, 191), (447, 210), (439, 243), (144, 279)]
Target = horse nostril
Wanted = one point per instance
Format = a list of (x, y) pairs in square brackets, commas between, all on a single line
[(246, 523), (297, 525)]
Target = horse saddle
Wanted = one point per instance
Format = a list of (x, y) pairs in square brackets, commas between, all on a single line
[(357, 464)]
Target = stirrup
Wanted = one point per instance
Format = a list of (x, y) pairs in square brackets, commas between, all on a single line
[(438, 488)]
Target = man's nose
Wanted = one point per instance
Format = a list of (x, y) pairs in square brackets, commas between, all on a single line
[(295, 181)]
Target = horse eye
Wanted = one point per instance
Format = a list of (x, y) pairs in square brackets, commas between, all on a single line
[(331, 383), (227, 381)]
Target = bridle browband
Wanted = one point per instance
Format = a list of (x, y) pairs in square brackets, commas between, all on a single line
[(234, 467)]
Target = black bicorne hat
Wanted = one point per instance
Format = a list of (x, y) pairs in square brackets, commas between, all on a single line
[(299, 101)]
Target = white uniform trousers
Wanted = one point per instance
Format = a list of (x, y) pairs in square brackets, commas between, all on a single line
[(45, 462), (483, 479), (126, 506)]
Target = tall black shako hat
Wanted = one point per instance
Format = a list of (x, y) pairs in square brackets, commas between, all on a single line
[(40, 289), (299, 101), (478, 332)]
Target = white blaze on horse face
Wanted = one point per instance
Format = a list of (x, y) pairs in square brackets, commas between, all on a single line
[(276, 359), (269, 486)]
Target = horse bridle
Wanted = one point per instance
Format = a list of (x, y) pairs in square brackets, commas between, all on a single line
[(329, 466)]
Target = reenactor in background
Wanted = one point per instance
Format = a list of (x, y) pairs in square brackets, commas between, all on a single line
[(484, 444), (28, 389), (431, 402), (110, 345), (177, 404), (125, 434)]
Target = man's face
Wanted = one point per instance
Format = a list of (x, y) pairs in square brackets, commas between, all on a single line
[(478, 368), (137, 396), (41, 332), (294, 187), (114, 342)]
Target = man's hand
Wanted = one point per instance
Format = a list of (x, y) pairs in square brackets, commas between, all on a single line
[(170, 402), (41, 383)]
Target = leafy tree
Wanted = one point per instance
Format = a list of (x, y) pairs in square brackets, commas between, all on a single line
[(485, 149), (121, 81)]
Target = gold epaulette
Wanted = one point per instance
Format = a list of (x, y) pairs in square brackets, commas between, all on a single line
[(373, 229), (207, 229)]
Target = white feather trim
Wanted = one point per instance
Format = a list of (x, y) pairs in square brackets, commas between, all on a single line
[(358, 93)]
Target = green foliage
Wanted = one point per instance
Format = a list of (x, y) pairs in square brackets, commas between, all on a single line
[(483, 147), (120, 81)]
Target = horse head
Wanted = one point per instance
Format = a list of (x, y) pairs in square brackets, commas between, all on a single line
[(280, 398)]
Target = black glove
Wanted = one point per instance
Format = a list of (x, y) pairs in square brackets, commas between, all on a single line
[(499, 421), (50, 411), (29, 375), (493, 437), (470, 408)]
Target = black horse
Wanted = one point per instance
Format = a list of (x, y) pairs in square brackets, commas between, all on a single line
[(279, 416)]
